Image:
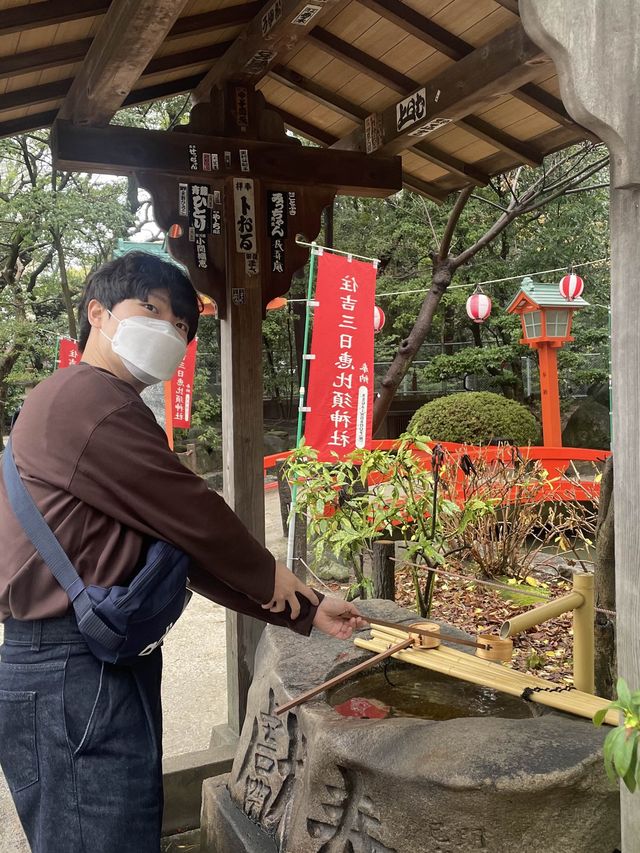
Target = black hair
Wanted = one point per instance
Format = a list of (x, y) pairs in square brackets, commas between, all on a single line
[(132, 276)]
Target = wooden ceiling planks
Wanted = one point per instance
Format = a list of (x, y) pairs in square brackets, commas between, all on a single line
[(359, 59)]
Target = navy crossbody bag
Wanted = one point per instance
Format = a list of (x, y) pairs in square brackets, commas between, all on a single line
[(121, 623)]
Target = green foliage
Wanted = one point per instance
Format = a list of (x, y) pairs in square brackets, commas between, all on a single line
[(373, 494), (475, 417), (405, 231), (622, 743)]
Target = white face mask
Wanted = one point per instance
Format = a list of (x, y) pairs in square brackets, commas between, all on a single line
[(150, 349)]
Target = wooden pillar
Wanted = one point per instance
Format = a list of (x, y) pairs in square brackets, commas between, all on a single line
[(242, 441), (549, 397), (594, 46)]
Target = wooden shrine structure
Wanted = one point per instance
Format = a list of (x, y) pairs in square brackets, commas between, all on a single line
[(432, 95)]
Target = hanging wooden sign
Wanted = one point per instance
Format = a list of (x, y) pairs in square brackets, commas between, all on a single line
[(244, 206)]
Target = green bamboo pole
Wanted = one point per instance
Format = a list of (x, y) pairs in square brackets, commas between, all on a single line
[(301, 398)]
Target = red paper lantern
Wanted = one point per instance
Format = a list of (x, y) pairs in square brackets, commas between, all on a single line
[(378, 318), (478, 307), (571, 286), (277, 302)]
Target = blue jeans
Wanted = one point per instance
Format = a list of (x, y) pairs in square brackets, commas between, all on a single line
[(80, 742)]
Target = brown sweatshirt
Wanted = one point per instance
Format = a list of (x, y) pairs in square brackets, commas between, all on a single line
[(101, 472)]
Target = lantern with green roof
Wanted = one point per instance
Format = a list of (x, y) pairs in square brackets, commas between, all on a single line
[(546, 318)]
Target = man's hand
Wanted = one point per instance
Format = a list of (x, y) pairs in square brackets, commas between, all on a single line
[(284, 592), (338, 618)]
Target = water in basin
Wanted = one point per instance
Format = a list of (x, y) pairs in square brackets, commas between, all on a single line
[(414, 692)]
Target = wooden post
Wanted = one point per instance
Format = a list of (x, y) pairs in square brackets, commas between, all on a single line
[(549, 395), (242, 440), (383, 569)]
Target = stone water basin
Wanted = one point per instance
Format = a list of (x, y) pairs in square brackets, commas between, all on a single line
[(500, 778)]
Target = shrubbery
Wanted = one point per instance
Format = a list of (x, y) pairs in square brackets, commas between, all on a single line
[(474, 417)]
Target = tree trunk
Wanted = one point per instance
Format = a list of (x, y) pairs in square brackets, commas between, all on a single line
[(440, 279), (605, 590), (64, 285), (383, 570)]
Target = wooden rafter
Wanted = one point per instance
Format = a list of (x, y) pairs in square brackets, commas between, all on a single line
[(33, 95), (361, 61), (456, 48), (355, 113), (511, 5), (305, 86), (420, 26), (39, 60), (323, 137), (130, 34), (523, 151), (230, 16), (453, 94), (21, 18), (138, 96), (51, 12), (429, 190), (272, 33)]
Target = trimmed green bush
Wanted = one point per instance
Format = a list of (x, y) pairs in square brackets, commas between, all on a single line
[(475, 417)]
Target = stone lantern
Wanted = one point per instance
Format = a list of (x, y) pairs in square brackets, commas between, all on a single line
[(546, 325)]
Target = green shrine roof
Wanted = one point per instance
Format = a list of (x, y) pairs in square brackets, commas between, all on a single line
[(157, 249), (545, 295)]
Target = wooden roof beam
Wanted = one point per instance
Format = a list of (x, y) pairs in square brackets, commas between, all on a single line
[(45, 92), (50, 12), (500, 65), (511, 5), (326, 139), (423, 188), (356, 113), (272, 33), (361, 61), (523, 151), (21, 18), (304, 86), (419, 26), (138, 96), (129, 36), (231, 16), (43, 58), (456, 48)]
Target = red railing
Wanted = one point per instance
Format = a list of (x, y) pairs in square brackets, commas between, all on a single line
[(555, 460)]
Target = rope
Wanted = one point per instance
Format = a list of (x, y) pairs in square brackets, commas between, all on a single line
[(469, 580), (380, 295)]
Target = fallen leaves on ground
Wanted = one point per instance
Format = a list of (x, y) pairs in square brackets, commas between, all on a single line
[(545, 650)]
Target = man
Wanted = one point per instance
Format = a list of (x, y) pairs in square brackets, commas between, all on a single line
[(80, 740)]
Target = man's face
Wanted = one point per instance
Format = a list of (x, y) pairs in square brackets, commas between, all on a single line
[(156, 305)]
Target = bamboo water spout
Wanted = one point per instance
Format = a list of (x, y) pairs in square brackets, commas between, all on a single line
[(581, 602)]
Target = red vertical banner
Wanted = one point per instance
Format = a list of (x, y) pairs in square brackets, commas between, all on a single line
[(68, 352), (182, 388), (341, 383)]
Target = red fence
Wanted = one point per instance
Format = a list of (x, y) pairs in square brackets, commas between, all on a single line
[(555, 460)]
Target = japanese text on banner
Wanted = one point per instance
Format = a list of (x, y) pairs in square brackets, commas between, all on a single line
[(182, 388), (341, 382), (68, 352)]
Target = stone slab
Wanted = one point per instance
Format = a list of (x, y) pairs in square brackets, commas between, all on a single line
[(226, 827)]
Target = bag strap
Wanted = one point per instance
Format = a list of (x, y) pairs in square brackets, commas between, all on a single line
[(53, 554)]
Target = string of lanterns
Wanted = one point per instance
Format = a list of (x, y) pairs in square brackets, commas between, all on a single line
[(478, 305)]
